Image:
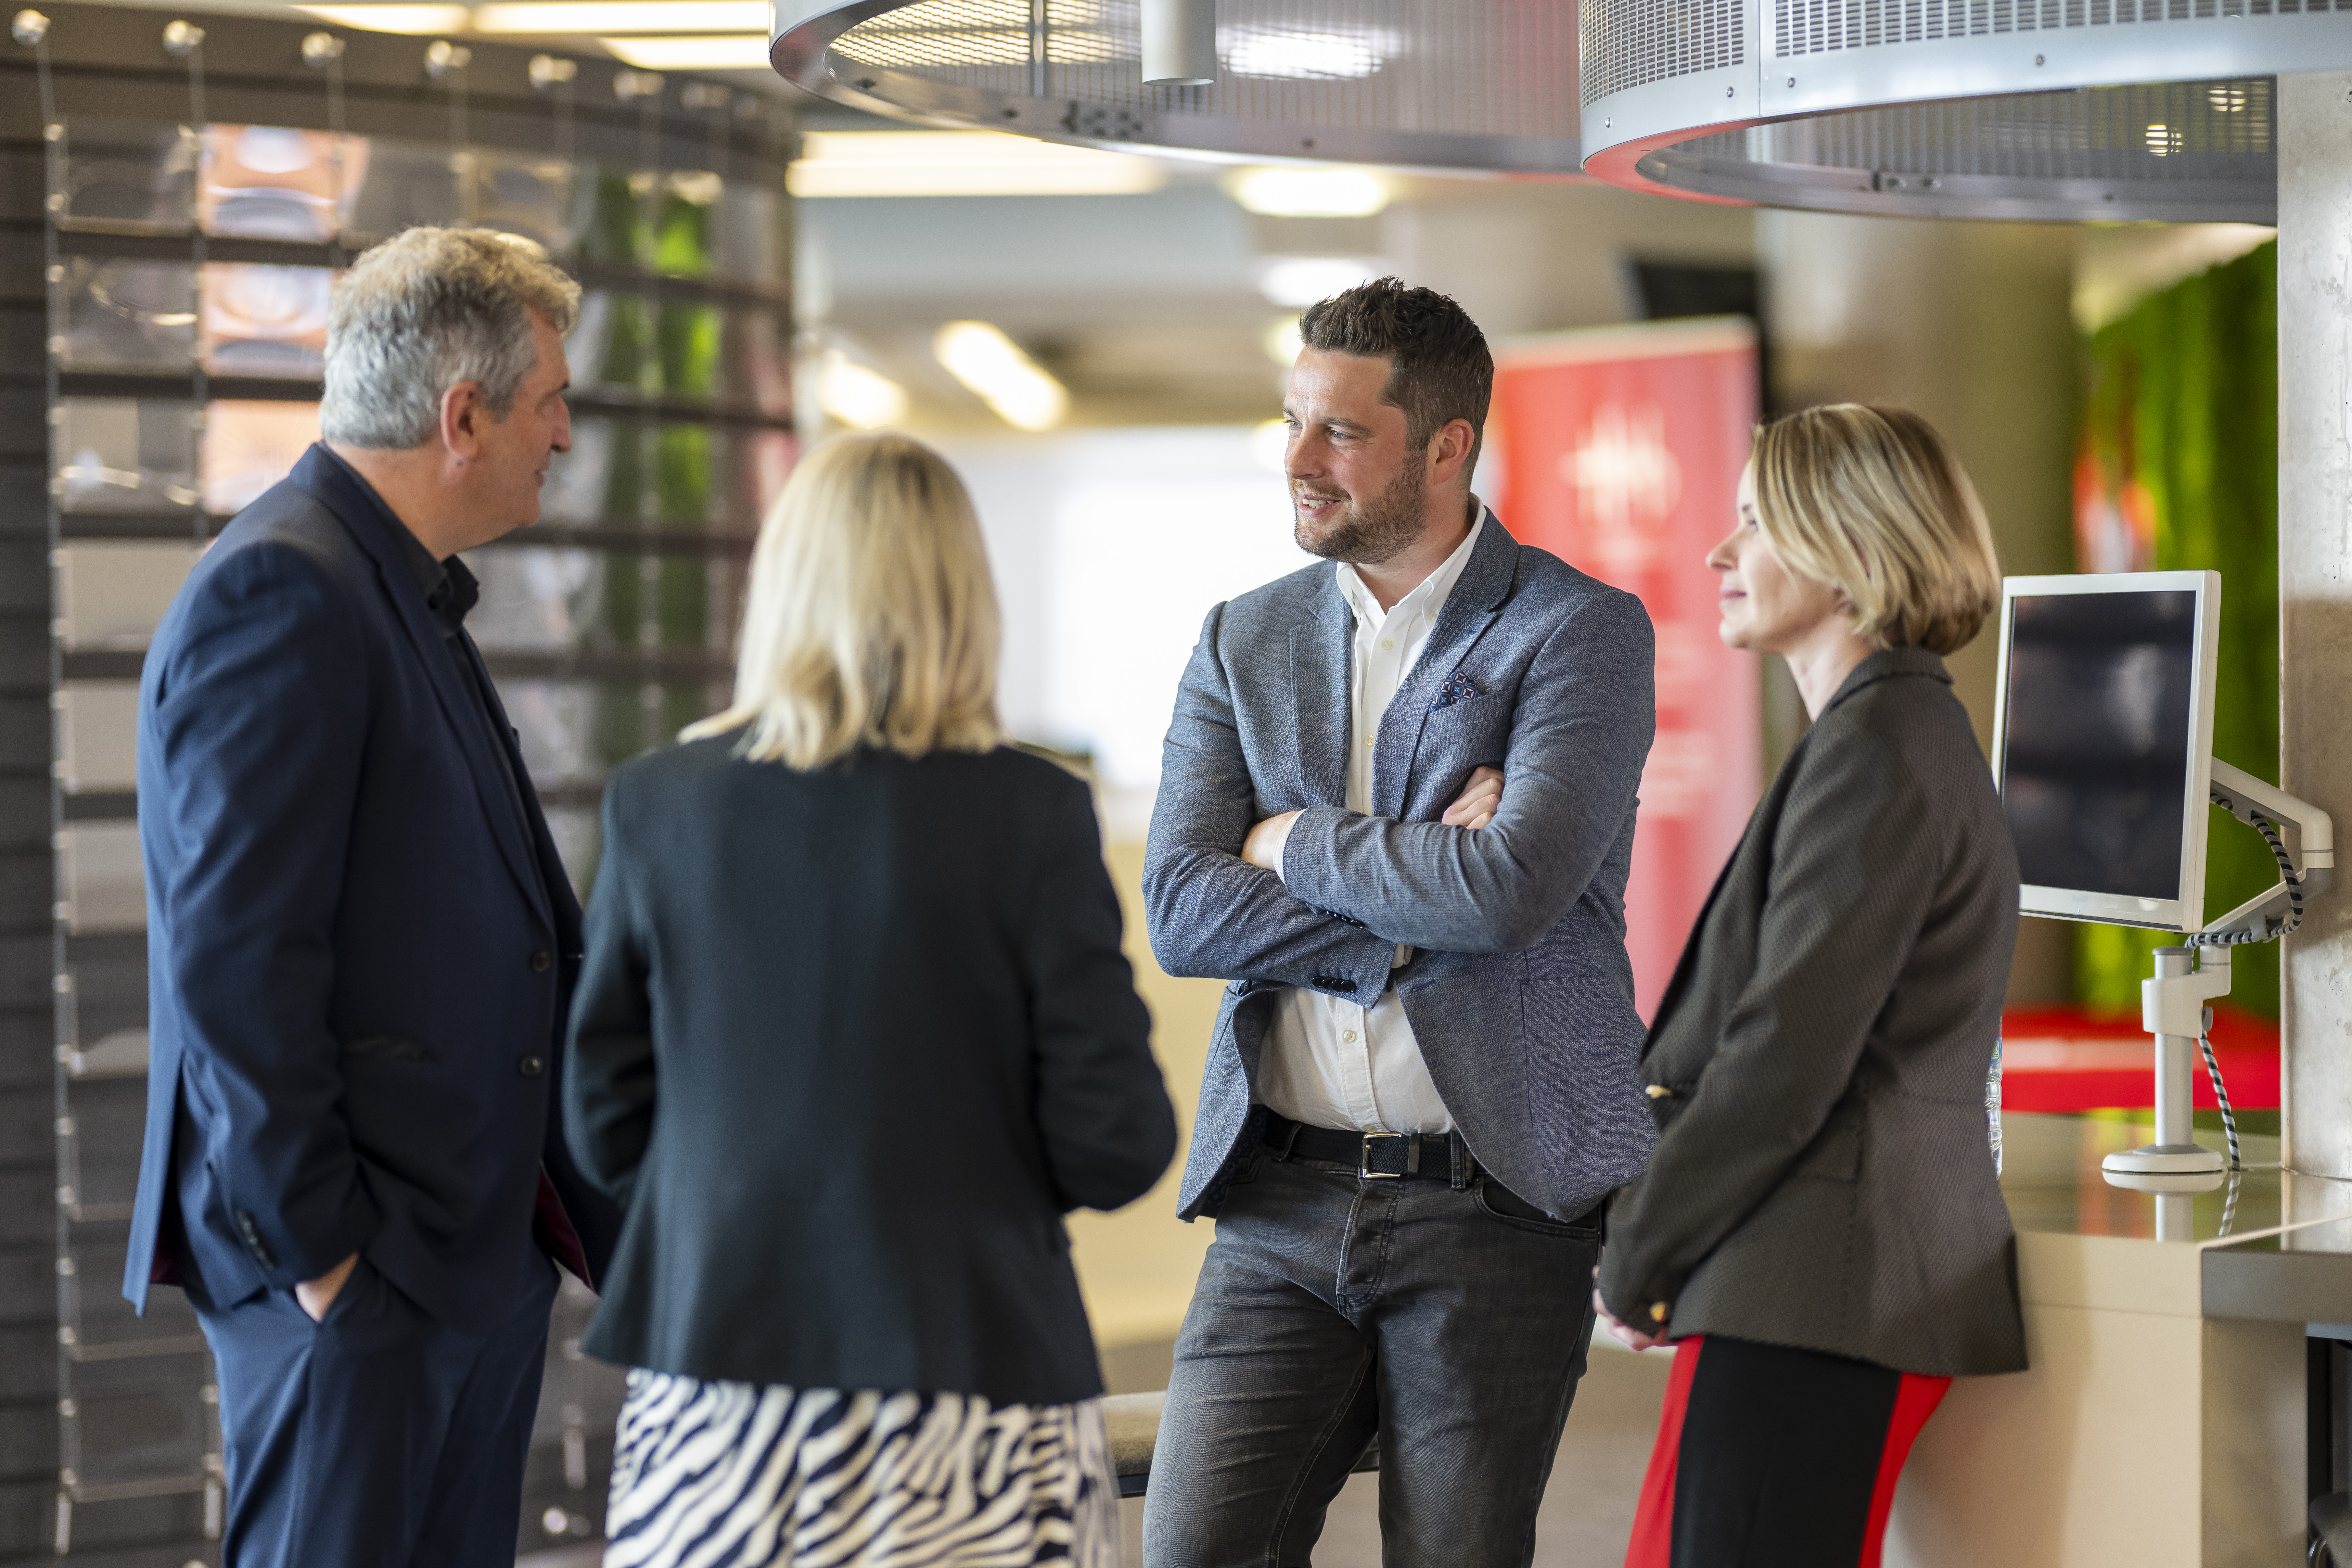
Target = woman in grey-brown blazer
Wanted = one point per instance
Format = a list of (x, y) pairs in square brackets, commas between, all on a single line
[(1819, 1232)]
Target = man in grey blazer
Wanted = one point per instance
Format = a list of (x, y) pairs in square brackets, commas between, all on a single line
[(1396, 813)]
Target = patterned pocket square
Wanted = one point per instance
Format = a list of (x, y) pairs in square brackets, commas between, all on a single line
[(1456, 687)]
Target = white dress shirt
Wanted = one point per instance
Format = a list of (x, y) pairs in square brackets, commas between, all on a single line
[(1327, 1061)]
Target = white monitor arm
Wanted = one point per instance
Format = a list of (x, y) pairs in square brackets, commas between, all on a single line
[(2173, 1003)]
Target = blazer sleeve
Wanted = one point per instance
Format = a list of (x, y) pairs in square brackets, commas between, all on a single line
[(1211, 913), (609, 1076), (1102, 1110), (257, 715), (1579, 736), (1855, 867)]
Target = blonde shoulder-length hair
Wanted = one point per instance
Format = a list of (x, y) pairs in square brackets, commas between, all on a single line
[(871, 619), (1873, 502)]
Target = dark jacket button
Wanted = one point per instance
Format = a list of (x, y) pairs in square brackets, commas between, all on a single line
[(530, 1066), (542, 961)]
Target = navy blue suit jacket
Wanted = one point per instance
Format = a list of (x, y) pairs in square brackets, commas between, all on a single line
[(361, 945)]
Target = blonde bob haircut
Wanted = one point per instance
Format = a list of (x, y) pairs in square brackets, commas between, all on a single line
[(871, 619), (1873, 502)]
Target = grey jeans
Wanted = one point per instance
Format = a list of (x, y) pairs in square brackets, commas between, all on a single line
[(1449, 1320)]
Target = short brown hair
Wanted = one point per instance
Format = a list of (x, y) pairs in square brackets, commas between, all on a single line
[(1873, 502), (1439, 369)]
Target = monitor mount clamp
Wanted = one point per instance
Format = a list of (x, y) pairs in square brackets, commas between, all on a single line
[(2175, 1003)]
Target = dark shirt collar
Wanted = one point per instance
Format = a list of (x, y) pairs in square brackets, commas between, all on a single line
[(449, 587), (1888, 662)]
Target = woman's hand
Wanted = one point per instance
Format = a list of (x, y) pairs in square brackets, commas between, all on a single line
[(1475, 806), (1625, 1334)]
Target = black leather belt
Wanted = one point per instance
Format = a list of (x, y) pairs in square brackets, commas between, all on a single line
[(1373, 1154)]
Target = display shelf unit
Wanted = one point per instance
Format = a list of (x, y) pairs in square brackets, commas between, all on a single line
[(176, 192)]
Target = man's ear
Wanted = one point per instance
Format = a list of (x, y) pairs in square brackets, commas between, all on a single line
[(462, 415), (1450, 449)]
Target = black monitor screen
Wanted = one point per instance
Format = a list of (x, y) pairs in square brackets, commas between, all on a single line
[(2096, 756)]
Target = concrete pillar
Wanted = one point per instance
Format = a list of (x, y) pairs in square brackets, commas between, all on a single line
[(2314, 322), (1970, 325)]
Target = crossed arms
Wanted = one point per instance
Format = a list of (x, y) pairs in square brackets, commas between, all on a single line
[(1353, 886)]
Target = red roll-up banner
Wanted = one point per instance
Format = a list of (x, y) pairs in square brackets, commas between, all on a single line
[(1618, 451)]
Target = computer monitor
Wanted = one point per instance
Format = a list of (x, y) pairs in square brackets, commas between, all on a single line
[(2102, 743)]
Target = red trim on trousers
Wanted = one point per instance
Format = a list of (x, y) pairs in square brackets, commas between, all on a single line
[(1653, 1515)]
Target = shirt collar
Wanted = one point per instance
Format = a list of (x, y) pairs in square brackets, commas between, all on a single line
[(449, 587), (1428, 595)]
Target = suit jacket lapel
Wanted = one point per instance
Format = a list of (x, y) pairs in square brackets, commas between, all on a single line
[(320, 476), (1318, 683), (1468, 611)]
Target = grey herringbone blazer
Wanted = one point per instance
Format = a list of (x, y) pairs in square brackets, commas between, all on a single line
[(1519, 994), (1822, 1177)]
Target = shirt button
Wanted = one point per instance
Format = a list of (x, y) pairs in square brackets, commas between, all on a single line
[(1348, 1036), (542, 961), (530, 1066), (1385, 643), (1367, 743)]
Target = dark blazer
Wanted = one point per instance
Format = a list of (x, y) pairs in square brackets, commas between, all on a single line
[(1822, 1177), (360, 941), (849, 1043), (1519, 991)]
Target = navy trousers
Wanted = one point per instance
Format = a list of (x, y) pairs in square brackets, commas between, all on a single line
[(377, 1437)]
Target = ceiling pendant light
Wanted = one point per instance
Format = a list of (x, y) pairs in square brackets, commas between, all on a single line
[(1180, 43)]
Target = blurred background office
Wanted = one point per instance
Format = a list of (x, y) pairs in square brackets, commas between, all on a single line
[(1096, 338)]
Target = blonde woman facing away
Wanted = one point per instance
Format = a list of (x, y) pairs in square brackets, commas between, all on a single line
[(852, 1034), (1819, 1230)]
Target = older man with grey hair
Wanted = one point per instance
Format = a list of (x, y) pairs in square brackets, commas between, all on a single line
[(361, 944)]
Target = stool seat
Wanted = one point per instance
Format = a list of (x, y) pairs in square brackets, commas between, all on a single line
[(1131, 1422)]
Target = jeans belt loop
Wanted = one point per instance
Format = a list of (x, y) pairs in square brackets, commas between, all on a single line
[(1288, 1139), (1458, 1160)]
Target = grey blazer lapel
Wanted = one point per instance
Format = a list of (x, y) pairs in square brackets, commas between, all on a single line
[(1469, 610), (1318, 683)]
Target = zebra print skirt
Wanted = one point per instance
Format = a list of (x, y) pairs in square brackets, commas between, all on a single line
[(741, 1475)]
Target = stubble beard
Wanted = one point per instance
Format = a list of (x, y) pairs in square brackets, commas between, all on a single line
[(1373, 531)]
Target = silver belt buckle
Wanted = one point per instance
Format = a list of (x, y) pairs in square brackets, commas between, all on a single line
[(1363, 1158)]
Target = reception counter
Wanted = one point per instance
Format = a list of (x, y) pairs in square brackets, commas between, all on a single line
[(2162, 1424)]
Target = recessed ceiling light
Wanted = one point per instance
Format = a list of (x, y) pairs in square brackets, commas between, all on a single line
[(1301, 281), (1023, 392), (595, 16), (1282, 342), (857, 395), (411, 19), (1311, 193), (720, 52), (962, 163)]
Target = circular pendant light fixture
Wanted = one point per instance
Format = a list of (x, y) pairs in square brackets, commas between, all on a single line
[(2064, 109), (1450, 84)]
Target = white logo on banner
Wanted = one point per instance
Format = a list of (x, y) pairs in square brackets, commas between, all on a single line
[(1626, 483)]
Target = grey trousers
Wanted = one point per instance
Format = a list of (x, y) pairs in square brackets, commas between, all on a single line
[(1451, 1320)]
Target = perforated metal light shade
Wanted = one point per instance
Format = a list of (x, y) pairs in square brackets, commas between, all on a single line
[(2009, 109), (1464, 84)]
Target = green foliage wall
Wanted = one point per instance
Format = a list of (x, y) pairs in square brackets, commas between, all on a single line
[(2181, 444)]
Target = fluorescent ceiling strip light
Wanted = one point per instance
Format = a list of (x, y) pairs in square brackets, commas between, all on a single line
[(597, 17), (962, 163), (858, 396), (1020, 391), (411, 19), (721, 53), (1311, 193)]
